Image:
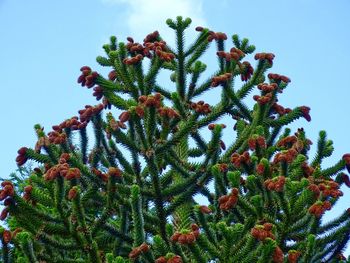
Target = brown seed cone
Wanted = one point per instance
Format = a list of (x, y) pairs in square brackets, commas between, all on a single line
[(115, 172), (6, 235), (124, 116), (72, 193)]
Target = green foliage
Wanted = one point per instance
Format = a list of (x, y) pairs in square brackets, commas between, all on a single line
[(130, 193)]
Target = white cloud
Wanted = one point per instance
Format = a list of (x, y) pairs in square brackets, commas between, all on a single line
[(146, 16)]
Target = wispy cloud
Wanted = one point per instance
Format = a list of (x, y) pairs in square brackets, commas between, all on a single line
[(146, 16)]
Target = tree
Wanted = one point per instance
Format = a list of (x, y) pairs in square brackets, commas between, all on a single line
[(130, 197)]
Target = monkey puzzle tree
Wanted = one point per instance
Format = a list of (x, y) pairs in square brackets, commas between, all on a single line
[(130, 196)]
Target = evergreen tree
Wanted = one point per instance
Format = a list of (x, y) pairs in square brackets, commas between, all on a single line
[(130, 197)]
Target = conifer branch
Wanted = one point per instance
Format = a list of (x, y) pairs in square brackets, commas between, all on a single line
[(132, 196)]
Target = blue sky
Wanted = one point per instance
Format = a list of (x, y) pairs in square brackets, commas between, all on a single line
[(44, 43)]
